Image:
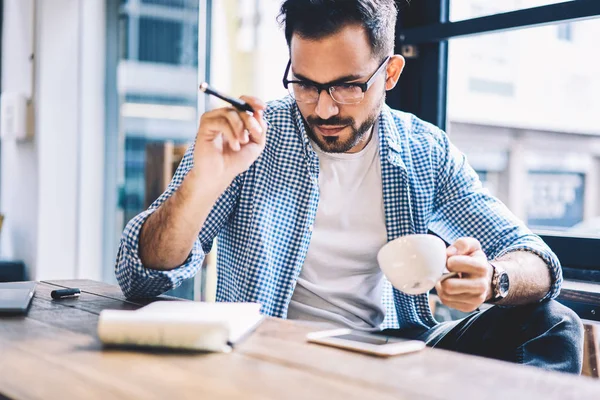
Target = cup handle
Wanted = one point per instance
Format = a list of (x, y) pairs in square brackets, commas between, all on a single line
[(448, 275)]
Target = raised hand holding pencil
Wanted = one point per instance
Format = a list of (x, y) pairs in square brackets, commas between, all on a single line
[(229, 139)]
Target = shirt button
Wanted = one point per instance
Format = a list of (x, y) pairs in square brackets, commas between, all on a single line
[(310, 228), (315, 181)]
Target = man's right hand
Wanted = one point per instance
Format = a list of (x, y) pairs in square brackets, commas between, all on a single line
[(228, 142)]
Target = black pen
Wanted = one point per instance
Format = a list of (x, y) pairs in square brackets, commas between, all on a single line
[(64, 293), (237, 103)]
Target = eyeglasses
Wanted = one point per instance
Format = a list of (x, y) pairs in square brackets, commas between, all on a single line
[(342, 93)]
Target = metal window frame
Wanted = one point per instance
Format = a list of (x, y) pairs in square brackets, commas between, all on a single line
[(111, 155), (422, 34), (422, 89), (530, 17)]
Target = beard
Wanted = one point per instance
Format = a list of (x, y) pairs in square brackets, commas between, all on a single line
[(334, 144)]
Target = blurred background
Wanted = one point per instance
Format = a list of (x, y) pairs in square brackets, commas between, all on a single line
[(113, 89)]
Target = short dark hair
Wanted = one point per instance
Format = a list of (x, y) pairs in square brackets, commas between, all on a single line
[(315, 19)]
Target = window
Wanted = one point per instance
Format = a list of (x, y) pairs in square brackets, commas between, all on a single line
[(157, 80), (156, 95), (538, 110)]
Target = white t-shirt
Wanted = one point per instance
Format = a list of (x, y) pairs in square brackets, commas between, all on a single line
[(340, 281)]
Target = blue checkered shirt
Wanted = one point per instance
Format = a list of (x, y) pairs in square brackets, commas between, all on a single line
[(263, 220)]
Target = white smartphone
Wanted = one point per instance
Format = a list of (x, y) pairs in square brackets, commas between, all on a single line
[(379, 345)]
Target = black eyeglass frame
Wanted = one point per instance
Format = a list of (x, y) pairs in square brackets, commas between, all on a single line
[(364, 86)]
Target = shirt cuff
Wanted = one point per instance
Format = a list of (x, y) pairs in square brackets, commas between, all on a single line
[(533, 246), (138, 281)]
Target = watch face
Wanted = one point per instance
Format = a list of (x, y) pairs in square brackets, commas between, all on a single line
[(503, 284)]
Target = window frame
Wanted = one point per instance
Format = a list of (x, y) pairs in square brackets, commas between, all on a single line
[(422, 33)]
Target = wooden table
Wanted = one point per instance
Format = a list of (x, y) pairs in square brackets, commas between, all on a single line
[(54, 353)]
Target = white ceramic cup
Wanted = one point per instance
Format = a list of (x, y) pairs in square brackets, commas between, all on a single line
[(414, 263)]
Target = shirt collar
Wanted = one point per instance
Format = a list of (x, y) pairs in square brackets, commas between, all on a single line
[(389, 134)]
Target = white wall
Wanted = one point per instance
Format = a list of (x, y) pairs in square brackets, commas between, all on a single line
[(19, 191), (52, 187), (92, 137), (57, 136)]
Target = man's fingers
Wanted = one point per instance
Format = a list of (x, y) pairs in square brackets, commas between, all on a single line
[(465, 294), (258, 106), (252, 125), (237, 127), (455, 287), (467, 264), (467, 300), (464, 246), (254, 102), (217, 123), (259, 116), (237, 123)]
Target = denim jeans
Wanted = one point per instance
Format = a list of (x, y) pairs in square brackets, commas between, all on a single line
[(547, 335)]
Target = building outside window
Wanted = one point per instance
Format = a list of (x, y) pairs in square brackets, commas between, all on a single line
[(157, 82), (565, 31), (534, 103)]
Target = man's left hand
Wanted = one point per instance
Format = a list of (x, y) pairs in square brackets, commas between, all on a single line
[(473, 287)]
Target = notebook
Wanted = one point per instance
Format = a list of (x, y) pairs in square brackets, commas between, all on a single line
[(180, 325)]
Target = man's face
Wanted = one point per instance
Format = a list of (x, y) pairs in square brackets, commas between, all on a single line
[(338, 128)]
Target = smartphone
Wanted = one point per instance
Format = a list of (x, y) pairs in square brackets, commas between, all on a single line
[(15, 298), (370, 343)]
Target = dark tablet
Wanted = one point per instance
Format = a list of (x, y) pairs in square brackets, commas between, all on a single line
[(15, 298)]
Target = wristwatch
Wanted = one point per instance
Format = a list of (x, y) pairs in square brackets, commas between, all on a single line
[(500, 284)]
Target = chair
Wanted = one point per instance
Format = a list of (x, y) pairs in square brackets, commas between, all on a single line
[(12, 271), (591, 351)]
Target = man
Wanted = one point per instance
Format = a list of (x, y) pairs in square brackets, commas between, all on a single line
[(304, 192)]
